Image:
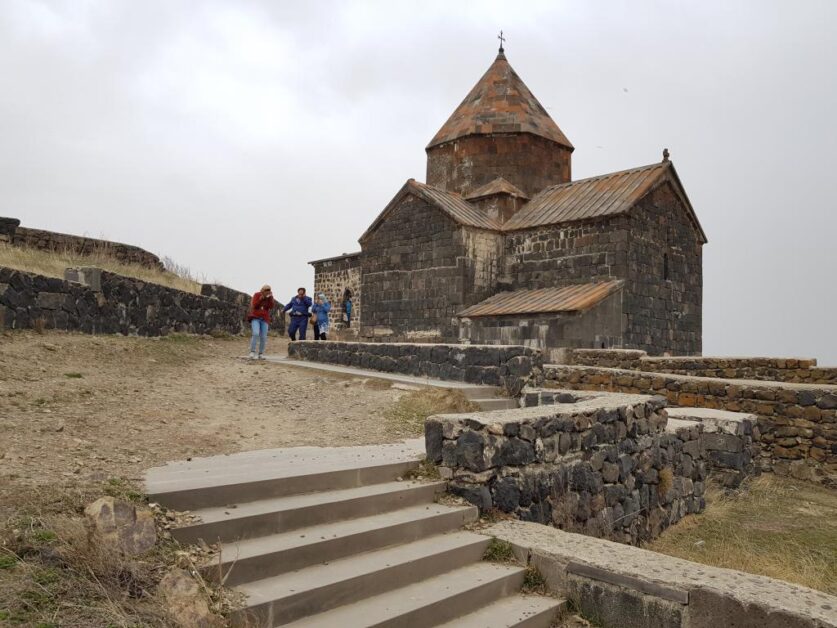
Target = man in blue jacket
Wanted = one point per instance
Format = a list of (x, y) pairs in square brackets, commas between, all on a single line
[(299, 307)]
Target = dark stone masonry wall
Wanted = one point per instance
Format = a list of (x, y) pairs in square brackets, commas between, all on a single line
[(527, 161), (557, 256), (792, 370), (606, 468), (121, 305), (81, 245), (511, 367), (413, 274), (333, 277), (664, 291), (797, 423), (242, 300)]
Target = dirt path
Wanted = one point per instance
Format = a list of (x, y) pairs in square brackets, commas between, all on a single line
[(76, 408)]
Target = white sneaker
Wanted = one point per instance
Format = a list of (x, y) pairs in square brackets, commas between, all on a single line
[(252, 355), (261, 356)]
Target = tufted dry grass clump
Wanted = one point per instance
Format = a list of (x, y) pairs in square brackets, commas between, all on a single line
[(775, 527)]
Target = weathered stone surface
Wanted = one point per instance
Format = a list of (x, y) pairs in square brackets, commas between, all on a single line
[(606, 487), (632, 587), (184, 601), (436, 360), (804, 371), (789, 416), (121, 525), (115, 304)]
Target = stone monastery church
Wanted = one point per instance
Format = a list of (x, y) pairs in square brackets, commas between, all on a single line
[(502, 246)]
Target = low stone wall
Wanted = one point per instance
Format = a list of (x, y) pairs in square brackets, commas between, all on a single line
[(725, 438), (796, 422), (53, 241), (115, 304), (792, 370), (627, 587), (242, 300), (603, 465), (510, 367)]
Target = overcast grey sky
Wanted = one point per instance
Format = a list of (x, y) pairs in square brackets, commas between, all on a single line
[(245, 138)]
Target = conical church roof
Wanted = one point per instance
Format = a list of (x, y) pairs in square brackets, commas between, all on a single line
[(500, 102)]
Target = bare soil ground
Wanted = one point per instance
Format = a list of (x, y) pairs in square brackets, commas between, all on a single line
[(84, 416), (80, 407)]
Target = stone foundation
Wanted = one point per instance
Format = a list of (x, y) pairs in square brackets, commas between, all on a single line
[(603, 465)]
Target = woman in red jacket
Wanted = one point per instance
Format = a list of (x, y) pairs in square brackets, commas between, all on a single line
[(259, 318)]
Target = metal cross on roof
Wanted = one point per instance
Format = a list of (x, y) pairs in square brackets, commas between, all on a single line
[(502, 40)]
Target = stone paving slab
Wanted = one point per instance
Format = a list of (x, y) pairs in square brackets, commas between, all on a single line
[(278, 463)]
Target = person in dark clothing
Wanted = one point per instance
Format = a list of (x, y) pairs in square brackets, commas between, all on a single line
[(299, 308), (259, 318)]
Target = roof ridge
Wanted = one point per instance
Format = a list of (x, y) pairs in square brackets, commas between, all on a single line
[(607, 174)]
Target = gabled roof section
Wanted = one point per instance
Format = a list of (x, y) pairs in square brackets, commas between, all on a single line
[(497, 186), (453, 205), (575, 298), (596, 197), (500, 102)]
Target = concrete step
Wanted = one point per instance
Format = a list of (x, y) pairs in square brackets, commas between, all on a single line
[(285, 598), (269, 556), (248, 476), (520, 611), (497, 403), (281, 514), (427, 603)]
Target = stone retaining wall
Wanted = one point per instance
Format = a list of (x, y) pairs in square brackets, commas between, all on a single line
[(627, 587), (603, 465), (508, 366), (52, 241), (792, 370), (242, 300), (115, 304), (796, 422)]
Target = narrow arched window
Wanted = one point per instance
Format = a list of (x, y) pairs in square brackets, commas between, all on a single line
[(665, 266)]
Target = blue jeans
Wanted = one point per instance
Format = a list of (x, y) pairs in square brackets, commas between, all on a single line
[(299, 323), (259, 328)]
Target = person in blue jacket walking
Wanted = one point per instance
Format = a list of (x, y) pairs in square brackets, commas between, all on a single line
[(298, 307), (320, 310)]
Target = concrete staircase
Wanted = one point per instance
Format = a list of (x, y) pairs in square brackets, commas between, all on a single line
[(341, 537)]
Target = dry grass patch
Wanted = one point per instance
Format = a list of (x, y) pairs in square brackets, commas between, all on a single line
[(53, 263), (774, 527), (52, 575), (408, 414)]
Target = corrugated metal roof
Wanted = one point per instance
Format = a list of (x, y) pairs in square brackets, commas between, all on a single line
[(500, 102), (497, 186), (458, 208), (605, 195), (545, 300)]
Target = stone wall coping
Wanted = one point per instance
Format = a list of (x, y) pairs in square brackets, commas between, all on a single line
[(701, 414), (741, 383), (743, 358), (422, 344), (591, 403), (556, 553)]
